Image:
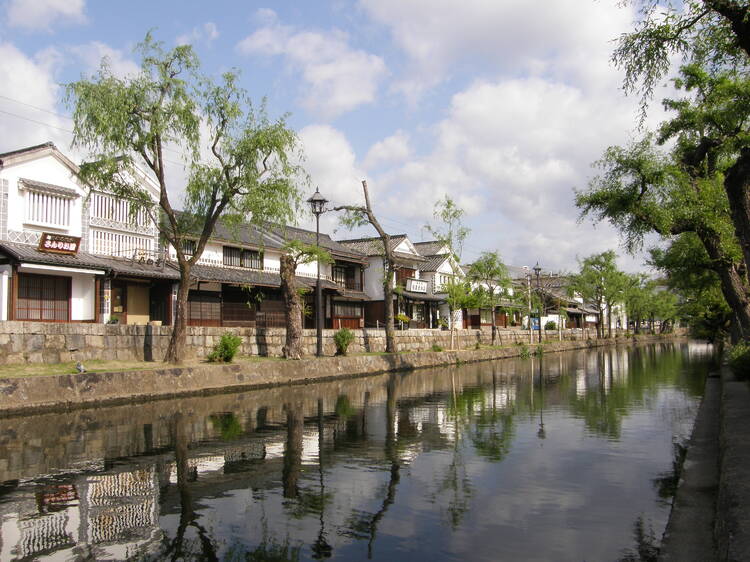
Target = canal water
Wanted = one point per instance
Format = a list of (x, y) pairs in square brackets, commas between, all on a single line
[(565, 457)]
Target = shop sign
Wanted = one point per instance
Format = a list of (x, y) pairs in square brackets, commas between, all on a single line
[(416, 286), (59, 243)]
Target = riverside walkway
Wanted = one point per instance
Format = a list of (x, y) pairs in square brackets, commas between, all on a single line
[(710, 517)]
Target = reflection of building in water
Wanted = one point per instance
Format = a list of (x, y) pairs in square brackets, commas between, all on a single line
[(120, 508), (110, 516)]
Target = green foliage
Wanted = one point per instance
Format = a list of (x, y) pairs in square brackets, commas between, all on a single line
[(709, 34), (452, 233), (436, 347), (227, 425), (460, 294), (402, 318), (343, 338), (524, 353), (539, 351), (224, 351), (306, 253), (550, 325), (739, 359), (344, 408)]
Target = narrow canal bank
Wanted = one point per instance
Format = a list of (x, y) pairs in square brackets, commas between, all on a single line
[(710, 518), (23, 395)]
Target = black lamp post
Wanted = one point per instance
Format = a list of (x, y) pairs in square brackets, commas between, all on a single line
[(317, 204), (537, 271)]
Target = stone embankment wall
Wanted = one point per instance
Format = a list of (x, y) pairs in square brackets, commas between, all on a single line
[(44, 342), (39, 393)]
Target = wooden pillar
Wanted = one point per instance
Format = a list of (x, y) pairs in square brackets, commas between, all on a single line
[(97, 299), (13, 293)]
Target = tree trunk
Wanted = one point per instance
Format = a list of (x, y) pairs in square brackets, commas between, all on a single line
[(176, 349), (737, 187), (733, 285), (494, 326), (390, 330), (292, 308)]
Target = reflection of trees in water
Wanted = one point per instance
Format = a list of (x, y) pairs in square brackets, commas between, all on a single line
[(363, 525), (666, 483), (603, 408), (646, 544), (181, 547), (227, 425)]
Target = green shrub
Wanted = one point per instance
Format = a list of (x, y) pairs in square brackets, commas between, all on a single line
[(436, 347), (739, 359), (343, 338), (550, 325), (525, 353), (226, 349), (539, 351), (402, 318)]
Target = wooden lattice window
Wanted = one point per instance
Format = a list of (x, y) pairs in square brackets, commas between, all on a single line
[(43, 298)]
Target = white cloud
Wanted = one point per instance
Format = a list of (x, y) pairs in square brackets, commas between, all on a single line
[(28, 108), (337, 78), (565, 38), (42, 14), (332, 165), (207, 32), (91, 54), (391, 150), (510, 152)]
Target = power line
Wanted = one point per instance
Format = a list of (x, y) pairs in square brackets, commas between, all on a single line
[(68, 117)]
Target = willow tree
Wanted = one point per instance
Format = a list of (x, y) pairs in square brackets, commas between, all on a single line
[(451, 232), (601, 281), (361, 215), (490, 272), (237, 160), (295, 254)]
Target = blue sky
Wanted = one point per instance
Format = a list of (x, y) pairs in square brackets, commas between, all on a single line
[(502, 105)]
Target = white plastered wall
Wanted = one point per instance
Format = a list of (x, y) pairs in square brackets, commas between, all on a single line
[(47, 169)]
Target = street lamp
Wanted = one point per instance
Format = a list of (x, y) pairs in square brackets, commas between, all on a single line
[(528, 294), (317, 203), (537, 271)]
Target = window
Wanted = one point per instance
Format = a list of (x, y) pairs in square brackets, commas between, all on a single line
[(107, 243), (48, 209), (237, 257), (350, 309), (43, 297), (118, 210), (339, 275), (188, 247), (486, 316)]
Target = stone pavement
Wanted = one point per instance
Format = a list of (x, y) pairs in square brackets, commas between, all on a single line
[(710, 517)]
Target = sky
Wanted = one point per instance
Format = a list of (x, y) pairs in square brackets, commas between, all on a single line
[(503, 106)]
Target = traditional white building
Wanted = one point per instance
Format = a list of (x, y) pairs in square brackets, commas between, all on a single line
[(70, 252)]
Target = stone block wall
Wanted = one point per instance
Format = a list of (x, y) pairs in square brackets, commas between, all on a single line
[(42, 342)]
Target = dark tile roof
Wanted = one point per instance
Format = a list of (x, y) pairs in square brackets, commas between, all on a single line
[(433, 262), (30, 254), (26, 149), (269, 235), (241, 276), (336, 249), (137, 268), (429, 248), (372, 246), (423, 296)]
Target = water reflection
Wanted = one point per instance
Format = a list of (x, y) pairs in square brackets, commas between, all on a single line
[(549, 457)]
